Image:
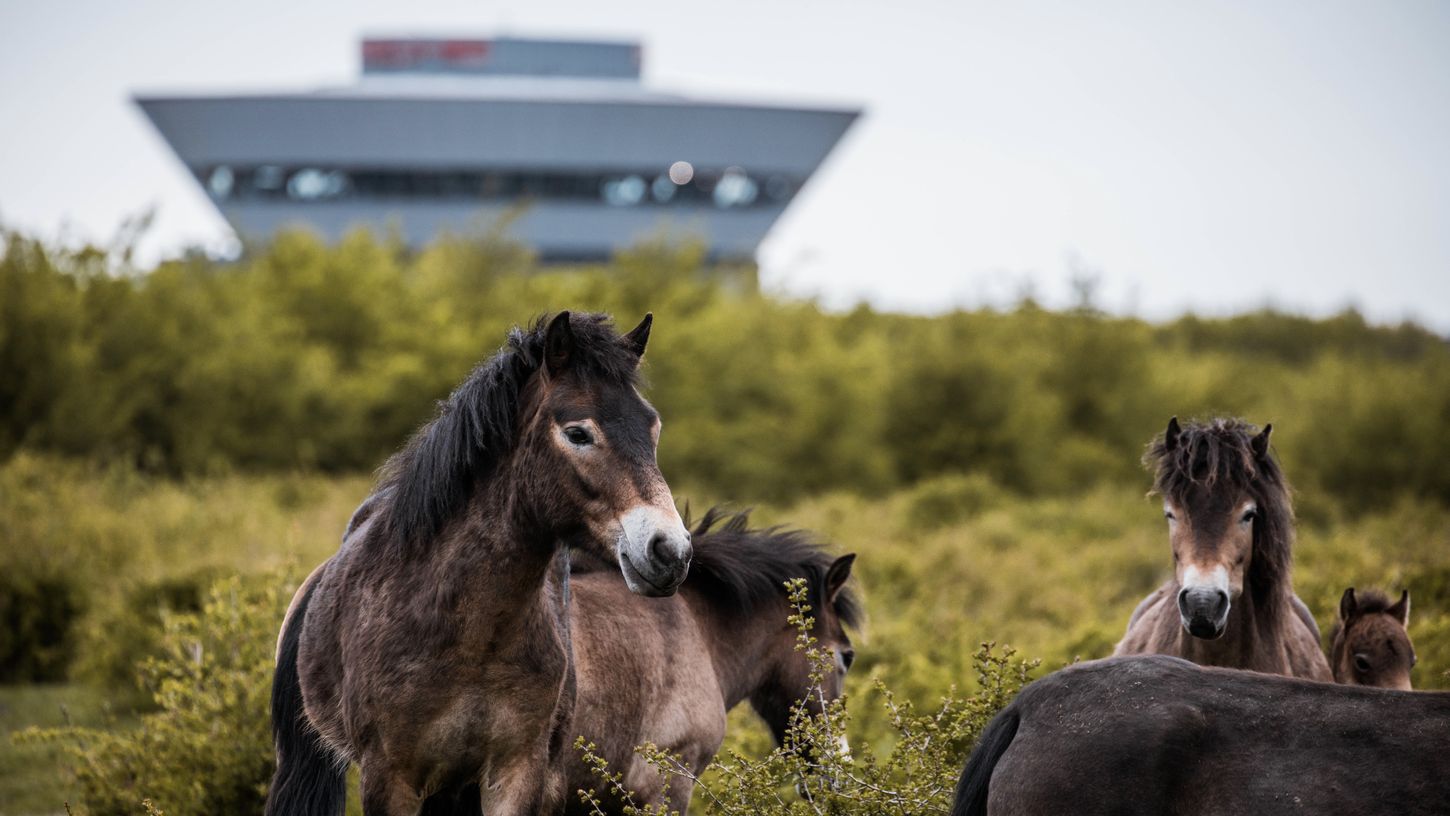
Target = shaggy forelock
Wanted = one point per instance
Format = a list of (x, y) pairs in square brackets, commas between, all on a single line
[(1219, 455)]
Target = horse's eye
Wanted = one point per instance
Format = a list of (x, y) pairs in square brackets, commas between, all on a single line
[(1249, 515), (578, 435), (1168, 514), (848, 656), (1361, 663)]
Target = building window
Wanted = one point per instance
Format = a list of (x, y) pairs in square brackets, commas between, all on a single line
[(679, 185)]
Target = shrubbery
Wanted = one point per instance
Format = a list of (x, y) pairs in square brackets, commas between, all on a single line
[(159, 428), (38, 614), (207, 749), (305, 355)]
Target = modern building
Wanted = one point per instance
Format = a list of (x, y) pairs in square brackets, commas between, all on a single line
[(452, 135)]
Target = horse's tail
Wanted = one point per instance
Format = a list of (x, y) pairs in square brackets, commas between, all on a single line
[(310, 780), (971, 798)]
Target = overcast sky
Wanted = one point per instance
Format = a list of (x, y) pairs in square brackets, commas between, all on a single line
[(1205, 156)]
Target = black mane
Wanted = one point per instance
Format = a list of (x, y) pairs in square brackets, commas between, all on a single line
[(740, 568), (429, 482), (1220, 451)]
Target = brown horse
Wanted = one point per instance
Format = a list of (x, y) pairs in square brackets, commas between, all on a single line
[(1144, 736), (434, 648), (1370, 644), (667, 671), (1230, 601)]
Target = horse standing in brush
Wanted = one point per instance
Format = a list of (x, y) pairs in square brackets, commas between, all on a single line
[(1145, 736), (1370, 643), (667, 670), (1231, 600), (434, 649)]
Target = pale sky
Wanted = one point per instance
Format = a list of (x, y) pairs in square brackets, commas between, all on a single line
[(1210, 156)]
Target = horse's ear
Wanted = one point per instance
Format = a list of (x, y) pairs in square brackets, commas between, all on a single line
[(1170, 436), (638, 337), (558, 343), (1347, 605), (1401, 609), (1260, 443), (838, 573)]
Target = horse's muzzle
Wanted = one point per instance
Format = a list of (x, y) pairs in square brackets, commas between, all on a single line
[(654, 551), (1204, 611)]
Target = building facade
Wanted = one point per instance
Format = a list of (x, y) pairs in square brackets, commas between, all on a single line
[(443, 135)]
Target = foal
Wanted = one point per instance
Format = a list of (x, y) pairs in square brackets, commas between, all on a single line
[(666, 671), (1370, 644), (434, 648), (1230, 601)]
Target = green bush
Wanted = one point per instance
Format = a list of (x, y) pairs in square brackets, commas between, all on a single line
[(304, 355), (950, 499), (39, 611), (115, 641), (207, 747)]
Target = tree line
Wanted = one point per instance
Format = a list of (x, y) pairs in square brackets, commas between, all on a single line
[(316, 357)]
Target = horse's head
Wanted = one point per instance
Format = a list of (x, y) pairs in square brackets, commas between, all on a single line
[(588, 453), (833, 607), (1371, 645), (1228, 516)]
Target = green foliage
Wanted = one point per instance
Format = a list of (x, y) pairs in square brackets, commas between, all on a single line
[(125, 634), (315, 356), (943, 567), (32, 775), (207, 747), (92, 555), (38, 611), (161, 427), (815, 771)]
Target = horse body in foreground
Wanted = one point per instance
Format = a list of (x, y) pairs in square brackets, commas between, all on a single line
[(1231, 600), (434, 648), (1370, 643), (668, 670), (1154, 735)]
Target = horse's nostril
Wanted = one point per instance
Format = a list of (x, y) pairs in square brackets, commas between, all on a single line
[(659, 549)]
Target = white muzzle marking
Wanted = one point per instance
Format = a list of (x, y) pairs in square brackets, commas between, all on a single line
[(1215, 578), (654, 547)]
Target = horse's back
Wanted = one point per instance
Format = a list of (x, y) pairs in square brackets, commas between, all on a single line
[(1156, 734), (1305, 651), (1140, 634)]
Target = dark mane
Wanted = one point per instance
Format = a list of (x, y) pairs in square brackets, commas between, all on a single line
[(1220, 452), (740, 569), (429, 482)]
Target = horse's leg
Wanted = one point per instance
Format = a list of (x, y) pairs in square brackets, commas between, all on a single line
[(527, 786), (681, 788), (384, 793)]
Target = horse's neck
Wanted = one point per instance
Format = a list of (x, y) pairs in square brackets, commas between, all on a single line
[(741, 651), (491, 564)]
